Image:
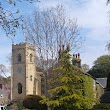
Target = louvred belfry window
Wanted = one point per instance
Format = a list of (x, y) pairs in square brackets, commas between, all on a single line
[(19, 57)]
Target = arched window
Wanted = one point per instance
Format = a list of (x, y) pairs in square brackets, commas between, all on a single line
[(31, 57), (19, 88), (19, 57)]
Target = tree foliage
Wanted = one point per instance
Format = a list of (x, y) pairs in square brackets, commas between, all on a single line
[(85, 67), (33, 102), (10, 20), (101, 67), (67, 88)]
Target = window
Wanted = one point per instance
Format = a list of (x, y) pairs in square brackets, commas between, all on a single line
[(30, 57), (0, 86), (19, 88), (19, 57), (30, 77)]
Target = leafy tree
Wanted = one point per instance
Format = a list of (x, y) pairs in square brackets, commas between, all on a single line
[(101, 67), (66, 89), (85, 67), (33, 102)]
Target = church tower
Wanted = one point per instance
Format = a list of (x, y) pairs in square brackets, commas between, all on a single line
[(25, 80)]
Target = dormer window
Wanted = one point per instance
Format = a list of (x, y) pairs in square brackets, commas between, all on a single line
[(31, 57), (19, 57)]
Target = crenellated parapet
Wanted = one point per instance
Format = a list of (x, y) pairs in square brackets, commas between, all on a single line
[(23, 45)]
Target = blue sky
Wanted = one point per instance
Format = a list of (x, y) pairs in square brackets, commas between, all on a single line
[(92, 16)]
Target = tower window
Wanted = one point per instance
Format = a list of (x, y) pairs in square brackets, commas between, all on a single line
[(19, 57), (31, 57), (19, 88), (0, 86), (30, 77)]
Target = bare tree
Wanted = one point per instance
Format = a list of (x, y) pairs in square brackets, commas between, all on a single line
[(52, 30), (3, 70), (108, 1)]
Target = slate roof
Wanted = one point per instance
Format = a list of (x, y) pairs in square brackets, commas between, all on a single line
[(102, 81)]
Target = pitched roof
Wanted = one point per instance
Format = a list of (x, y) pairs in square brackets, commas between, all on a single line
[(102, 81)]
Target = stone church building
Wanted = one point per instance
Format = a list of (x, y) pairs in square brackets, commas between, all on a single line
[(26, 79)]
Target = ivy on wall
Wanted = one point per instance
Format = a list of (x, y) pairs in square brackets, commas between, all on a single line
[(99, 91), (88, 83)]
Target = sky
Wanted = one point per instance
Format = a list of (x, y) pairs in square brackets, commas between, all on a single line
[(92, 16)]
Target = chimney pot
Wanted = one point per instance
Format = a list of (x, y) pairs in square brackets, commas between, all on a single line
[(79, 55)]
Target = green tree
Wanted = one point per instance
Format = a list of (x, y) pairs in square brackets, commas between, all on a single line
[(33, 102), (101, 67), (85, 67), (67, 90)]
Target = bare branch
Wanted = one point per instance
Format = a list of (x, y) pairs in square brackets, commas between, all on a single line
[(50, 30), (10, 20)]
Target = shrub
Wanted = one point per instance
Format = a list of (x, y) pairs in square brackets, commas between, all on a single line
[(102, 106), (33, 102)]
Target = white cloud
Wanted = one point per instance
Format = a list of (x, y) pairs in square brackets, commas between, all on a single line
[(92, 16), (47, 3), (93, 52), (99, 34), (90, 13)]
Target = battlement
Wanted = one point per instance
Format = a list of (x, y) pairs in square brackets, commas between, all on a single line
[(23, 45)]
